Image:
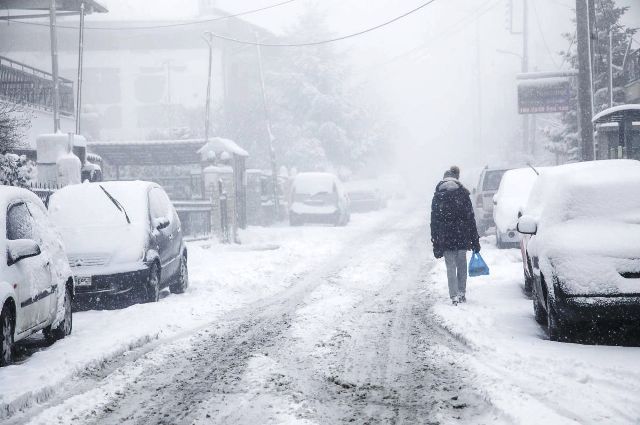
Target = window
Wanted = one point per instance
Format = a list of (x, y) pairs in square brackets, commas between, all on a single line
[(40, 219), (492, 179), (19, 223), (159, 204)]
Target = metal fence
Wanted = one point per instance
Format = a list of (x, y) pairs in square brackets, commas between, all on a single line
[(44, 192), (195, 216), (23, 84)]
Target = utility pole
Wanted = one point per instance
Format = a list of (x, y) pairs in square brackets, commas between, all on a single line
[(526, 130), (208, 38), (479, 141), (272, 152), (54, 65), (585, 93), (610, 70), (80, 65)]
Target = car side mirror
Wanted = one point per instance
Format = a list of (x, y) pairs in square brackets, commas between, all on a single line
[(495, 199), (160, 223), (20, 249), (527, 225)]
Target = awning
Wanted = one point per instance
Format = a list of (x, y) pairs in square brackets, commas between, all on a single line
[(620, 113), (90, 6), (158, 152), (219, 144)]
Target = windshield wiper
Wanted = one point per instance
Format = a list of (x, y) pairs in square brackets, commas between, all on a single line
[(116, 203)]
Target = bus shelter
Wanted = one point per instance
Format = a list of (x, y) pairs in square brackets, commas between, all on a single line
[(621, 127)]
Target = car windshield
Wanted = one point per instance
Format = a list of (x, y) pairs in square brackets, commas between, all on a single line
[(492, 179), (313, 184), (88, 206), (619, 202)]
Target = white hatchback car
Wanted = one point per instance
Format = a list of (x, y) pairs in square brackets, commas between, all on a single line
[(509, 201), (318, 198), (36, 284)]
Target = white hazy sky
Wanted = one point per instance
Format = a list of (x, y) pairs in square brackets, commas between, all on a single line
[(425, 66)]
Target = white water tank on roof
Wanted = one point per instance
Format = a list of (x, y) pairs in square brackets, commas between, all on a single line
[(51, 148)]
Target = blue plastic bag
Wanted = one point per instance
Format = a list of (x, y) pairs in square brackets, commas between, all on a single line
[(477, 266)]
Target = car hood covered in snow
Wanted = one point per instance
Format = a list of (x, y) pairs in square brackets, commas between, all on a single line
[(105, 249), (593, 258)]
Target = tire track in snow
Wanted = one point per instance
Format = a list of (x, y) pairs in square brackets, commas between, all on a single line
[(223, 352)]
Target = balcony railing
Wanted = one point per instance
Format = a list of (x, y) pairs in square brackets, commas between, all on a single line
[(632, 68), (23, 84)]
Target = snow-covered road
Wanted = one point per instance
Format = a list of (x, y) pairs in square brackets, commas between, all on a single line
[(347, 336), (320, 325)]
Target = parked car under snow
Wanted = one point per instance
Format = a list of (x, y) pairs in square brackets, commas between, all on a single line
[(318, 198), (482, 199), (123, 239), (36, 285), (582, 248), (365, 196), (510, 199)]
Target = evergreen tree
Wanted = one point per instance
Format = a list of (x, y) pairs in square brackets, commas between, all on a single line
[(320, 118), (14, 121), (565, 141)]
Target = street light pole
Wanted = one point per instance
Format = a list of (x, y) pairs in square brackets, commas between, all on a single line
[(525, 68), (585, 94), (611, 67), (272, 152), (208, 38), (54, 65), (80, 65)]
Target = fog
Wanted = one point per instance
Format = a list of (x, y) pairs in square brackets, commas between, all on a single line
[(443, 77)]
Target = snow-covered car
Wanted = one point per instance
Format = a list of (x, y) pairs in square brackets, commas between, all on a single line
[(318, 198), (36, 284), (510, 199), (123, 239), (482, 199), (365, 196), (582, 249)]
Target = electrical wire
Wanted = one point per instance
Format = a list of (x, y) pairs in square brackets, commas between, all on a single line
[(564, 59), (451, 30), (331, 40), (152, 27), (544, 39)]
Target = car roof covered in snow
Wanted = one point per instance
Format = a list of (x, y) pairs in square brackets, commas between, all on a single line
[(586, 189), (7, 193), (87, 204), (518, 181), (314, 182)]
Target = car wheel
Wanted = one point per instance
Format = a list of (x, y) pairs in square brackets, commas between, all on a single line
[(558, 330), (152, 288), (539, 312), (528, 284), (182, 279), (64, 328), (6, 333)]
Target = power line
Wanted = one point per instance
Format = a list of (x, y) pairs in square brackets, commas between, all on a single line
[(544, 39), (573, 40), (451, 30), (151, 27), (331, 40)]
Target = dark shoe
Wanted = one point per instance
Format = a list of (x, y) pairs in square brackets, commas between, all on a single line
[(454, 301), (462, 298)]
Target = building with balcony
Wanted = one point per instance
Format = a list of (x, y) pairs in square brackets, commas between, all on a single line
[(138, 84)]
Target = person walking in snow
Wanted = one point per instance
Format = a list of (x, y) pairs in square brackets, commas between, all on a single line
[(453, 231)]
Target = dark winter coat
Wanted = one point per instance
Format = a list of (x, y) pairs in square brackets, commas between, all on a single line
[(453, 224)]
